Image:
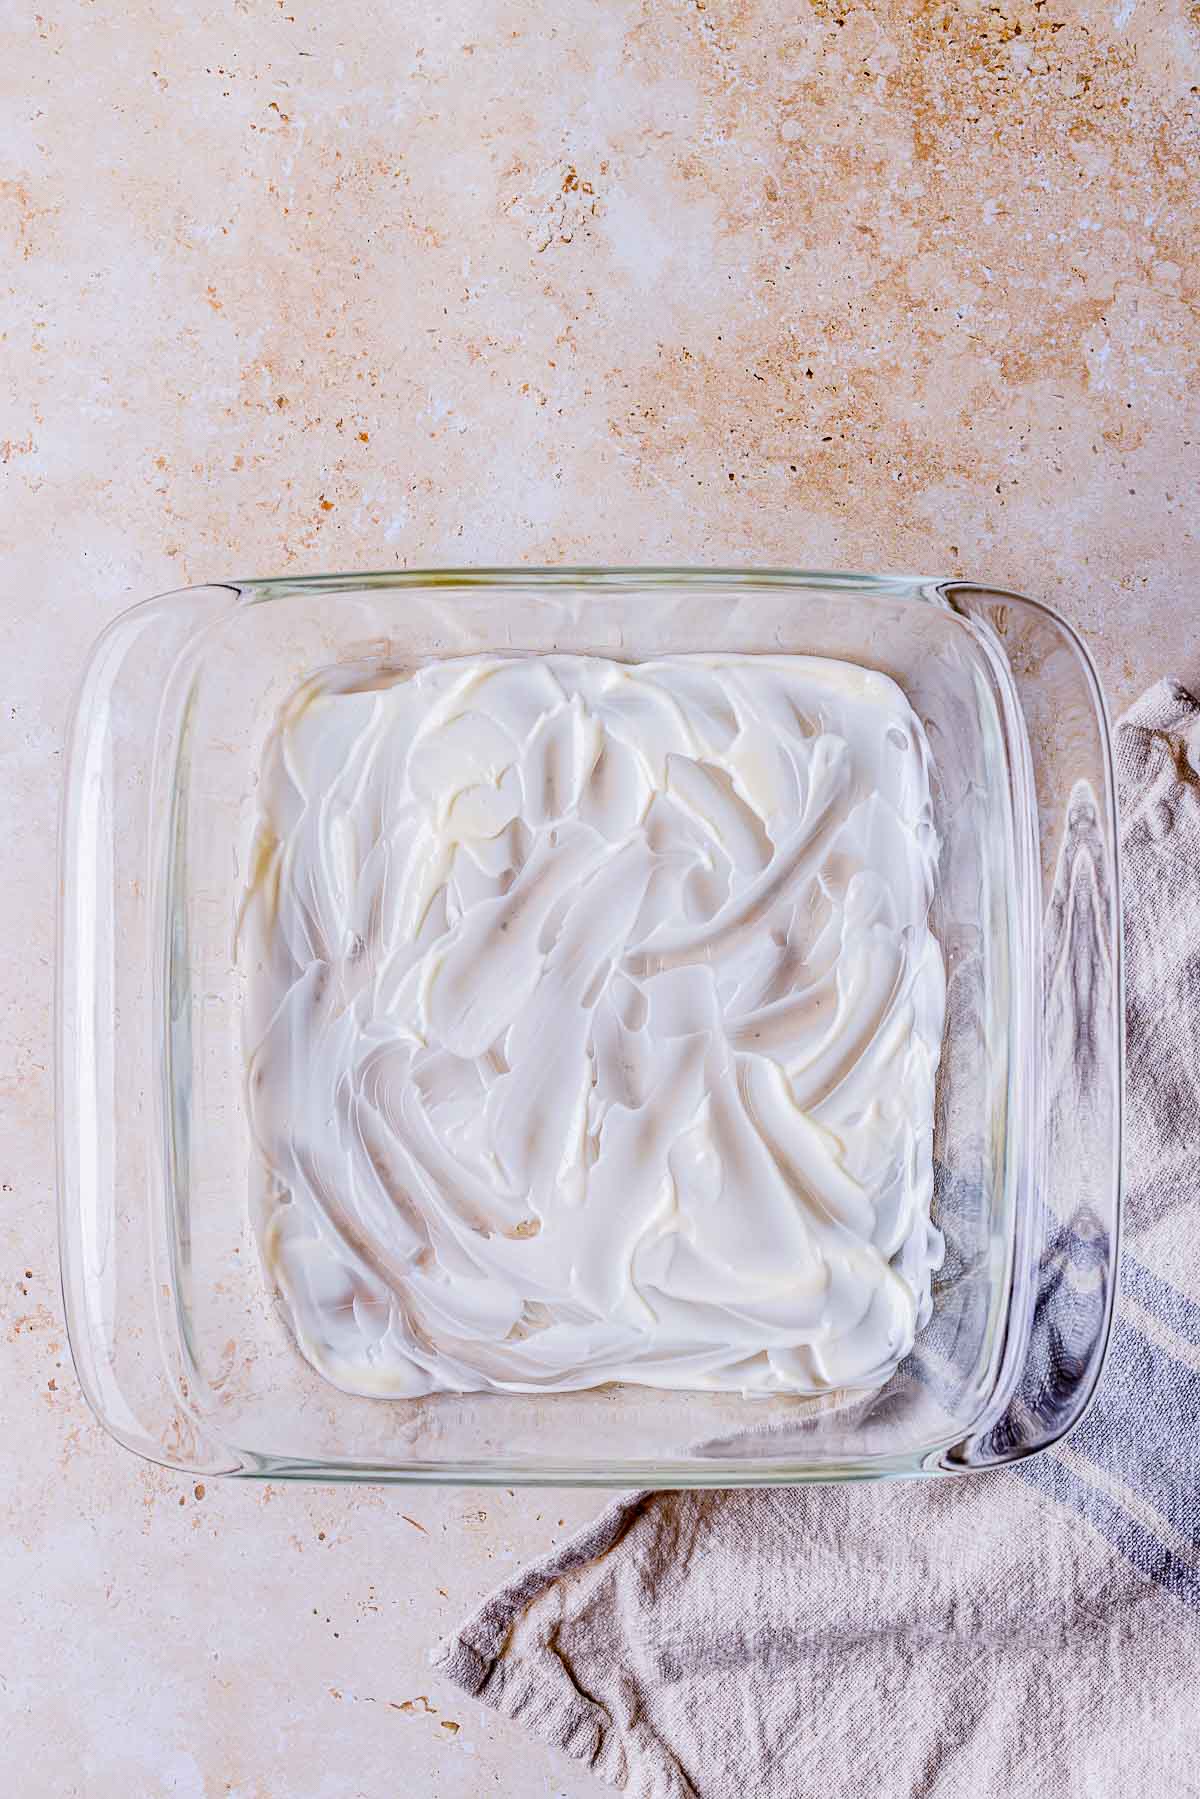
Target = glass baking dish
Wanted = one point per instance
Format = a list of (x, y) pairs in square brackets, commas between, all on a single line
[(177, 1337)]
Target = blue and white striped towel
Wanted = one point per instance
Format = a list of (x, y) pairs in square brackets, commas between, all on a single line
[(1033, 1631)]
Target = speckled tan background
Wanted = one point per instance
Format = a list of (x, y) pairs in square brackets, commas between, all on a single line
[(290, 287)]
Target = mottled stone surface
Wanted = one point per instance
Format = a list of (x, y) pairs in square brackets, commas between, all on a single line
[(297, 288)]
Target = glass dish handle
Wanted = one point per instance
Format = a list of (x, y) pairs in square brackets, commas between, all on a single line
[(1069, 1214)]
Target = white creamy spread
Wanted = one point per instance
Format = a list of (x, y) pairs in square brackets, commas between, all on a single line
[(598, 1020)]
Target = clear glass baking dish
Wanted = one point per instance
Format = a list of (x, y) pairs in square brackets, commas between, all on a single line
[(177, 1340)]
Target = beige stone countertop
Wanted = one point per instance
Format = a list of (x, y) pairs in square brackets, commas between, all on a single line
[(291, 288)]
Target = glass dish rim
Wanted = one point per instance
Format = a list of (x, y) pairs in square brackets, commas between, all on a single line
[(915, 589)]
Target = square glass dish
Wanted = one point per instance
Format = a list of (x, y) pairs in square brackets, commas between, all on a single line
[(177, 1335)]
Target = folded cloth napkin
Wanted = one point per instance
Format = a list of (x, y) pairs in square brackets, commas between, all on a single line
[(1034, 1630)]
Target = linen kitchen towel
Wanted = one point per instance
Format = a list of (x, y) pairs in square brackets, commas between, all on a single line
[(1033, 1631)]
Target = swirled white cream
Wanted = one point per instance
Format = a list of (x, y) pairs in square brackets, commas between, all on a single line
[(598, 1020)]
